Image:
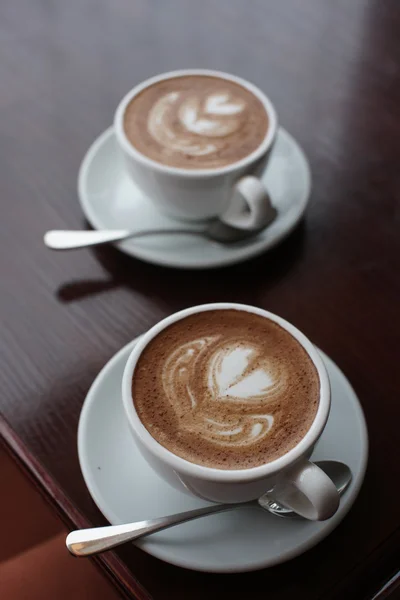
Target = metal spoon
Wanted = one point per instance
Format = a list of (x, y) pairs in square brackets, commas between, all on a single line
[(216, 231), (86, 542)]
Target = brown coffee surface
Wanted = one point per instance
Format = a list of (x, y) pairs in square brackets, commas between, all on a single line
[(195, 122), (226, 389)]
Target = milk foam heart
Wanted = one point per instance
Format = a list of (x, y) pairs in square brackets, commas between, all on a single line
[(231, 378), (196, 121), (227, 389), (230, 375)]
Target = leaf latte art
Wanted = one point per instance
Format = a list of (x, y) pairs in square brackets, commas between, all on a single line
[(216, 115), (196, 121), (226, 388)]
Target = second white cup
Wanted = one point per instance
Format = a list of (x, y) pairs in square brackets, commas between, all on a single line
[(294, 480), (234, 191)]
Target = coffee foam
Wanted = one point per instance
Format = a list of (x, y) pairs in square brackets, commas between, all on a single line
[(195, 122), (226, 389)]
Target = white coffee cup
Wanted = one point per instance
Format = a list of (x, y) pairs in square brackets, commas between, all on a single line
[(199, 194), (295, 481)]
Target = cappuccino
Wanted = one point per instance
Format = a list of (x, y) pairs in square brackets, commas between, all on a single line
[(196, 122), (227, 389)]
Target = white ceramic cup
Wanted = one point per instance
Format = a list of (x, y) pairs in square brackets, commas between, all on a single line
[(233, 191), (295, 481)]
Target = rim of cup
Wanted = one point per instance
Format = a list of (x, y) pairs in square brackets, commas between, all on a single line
[(190, 173), (210, 473)]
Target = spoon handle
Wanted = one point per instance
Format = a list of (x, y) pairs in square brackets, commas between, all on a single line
[(72, 240), (86, 542)]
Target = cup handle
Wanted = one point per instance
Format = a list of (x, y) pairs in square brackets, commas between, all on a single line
[(307, 490), (250, 207)]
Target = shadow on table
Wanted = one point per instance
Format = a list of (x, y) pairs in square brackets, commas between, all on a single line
[(237, 283)]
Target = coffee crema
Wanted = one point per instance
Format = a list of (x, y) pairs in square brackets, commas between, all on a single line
[(195, 122), (226, 389)]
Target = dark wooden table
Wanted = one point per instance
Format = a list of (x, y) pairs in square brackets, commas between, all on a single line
[(332, 68)]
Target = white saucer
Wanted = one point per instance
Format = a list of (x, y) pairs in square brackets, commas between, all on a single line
[(110, 200), (126, 489)]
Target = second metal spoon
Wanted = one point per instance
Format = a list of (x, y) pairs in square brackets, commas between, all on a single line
[(86, 542), (216, 231)]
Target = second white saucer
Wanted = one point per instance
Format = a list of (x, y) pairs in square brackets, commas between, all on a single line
[(110, 200), (126, 489)]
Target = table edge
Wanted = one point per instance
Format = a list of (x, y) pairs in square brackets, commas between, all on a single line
[(109, 563)]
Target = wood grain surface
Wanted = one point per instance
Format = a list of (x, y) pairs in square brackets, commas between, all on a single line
[(332, 69)]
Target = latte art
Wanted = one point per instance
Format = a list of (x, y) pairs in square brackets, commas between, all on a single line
[(226, 388), (233, 376), (173, 119), (196, 121)]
